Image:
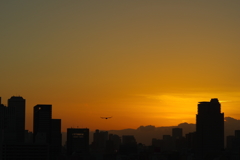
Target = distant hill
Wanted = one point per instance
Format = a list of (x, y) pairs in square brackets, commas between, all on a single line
[(144, 134)]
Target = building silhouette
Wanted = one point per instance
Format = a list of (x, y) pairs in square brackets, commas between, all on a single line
[(209, 129), (157, 144), (12, 120), (179, 142), (114, 141), (191, 141), (77, 141), (2, 121), (233, 144), (47, 130), (16, 118), (177, 133), (14, 144), (168, 143), (230, 140), (42, 116), (100, 139), (21, 151), (129, 144), (56, 139)]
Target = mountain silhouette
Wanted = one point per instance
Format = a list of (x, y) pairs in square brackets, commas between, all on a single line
[(144, 134)]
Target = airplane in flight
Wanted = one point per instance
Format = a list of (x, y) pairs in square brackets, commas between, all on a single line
[(105, 117)]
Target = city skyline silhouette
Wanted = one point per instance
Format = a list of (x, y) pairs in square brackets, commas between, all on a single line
[(146, 64), (211, 137), (233, 121)]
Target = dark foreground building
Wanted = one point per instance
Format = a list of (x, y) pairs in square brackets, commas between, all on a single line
[(77, 141), (209, 129), (42, 116), (25, 152), (47, 130), (16, 106)]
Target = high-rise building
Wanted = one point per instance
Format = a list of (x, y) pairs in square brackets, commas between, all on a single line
[(47, 130), (2, 120), (17, 142), (77, 140), (56, 139), (17, 105), (42, 119), (209, 128), (14, 125)]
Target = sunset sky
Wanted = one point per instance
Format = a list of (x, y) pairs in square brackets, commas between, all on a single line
[(144, 62)]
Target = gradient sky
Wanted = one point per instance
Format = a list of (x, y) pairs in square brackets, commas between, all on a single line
[(144, 62)]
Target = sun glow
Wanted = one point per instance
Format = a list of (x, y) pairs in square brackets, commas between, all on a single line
[(183, 106)]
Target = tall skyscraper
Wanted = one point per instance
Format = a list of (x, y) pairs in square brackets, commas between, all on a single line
[(15, 125), (56, 139), (77, 140), (47, 130), (42, 118), (2, 122), (209, 128)]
